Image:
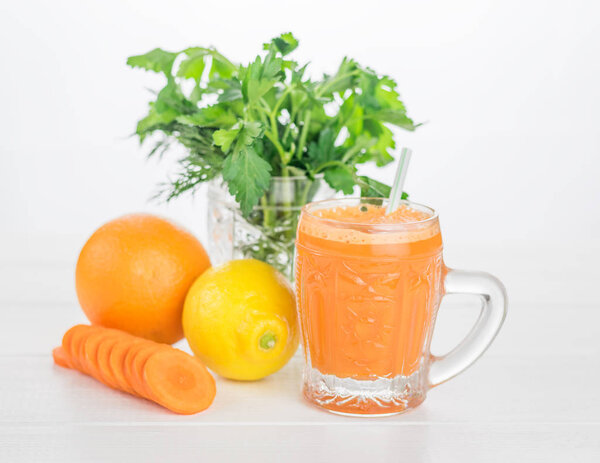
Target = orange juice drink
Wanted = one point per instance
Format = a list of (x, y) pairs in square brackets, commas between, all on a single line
[(368, 289)]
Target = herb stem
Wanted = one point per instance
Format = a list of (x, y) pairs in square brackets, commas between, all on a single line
[(277, 145), (304, 134), (261, 115), (282, 99), (273, 134), (276, 142), (267, 218), (288, 127), (357, 147), (327, 164)]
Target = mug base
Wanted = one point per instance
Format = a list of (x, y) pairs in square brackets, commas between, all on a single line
[(365, 398), (365, 415)]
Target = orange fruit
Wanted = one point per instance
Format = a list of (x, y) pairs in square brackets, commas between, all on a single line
[(134, 272)]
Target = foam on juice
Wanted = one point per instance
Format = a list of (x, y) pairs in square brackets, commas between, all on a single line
[(369, 224)]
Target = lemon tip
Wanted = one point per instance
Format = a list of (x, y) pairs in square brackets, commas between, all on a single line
[(267, 340)]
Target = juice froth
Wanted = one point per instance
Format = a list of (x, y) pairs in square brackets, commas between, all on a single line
[(353, 224), (369, 286), (370, 213)]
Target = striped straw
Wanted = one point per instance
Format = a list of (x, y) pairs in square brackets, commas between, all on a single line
[(396, 193)]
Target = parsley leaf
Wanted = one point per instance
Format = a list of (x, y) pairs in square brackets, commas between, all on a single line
[(341, 178), (225, 138), (153, 120), (248, 177), (260, 77), (217, 115), (371, 188), (242, 134), (323, 150), (172, 98), (232, 91), (157, 60), (284, 44), (193, 66)]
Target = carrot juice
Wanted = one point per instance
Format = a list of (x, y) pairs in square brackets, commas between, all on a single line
[(368, 288)]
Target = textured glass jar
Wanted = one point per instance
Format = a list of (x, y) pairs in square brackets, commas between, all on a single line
[(269, 233), (368, 294)]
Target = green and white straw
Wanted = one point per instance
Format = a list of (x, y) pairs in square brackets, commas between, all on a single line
[(397, 187)]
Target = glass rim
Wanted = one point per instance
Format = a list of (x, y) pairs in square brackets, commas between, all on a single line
[(307, 209)]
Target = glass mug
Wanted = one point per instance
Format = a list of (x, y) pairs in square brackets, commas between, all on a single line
[(368, 294)]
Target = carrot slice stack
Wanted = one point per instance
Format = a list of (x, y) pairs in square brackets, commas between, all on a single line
[(157, 372)]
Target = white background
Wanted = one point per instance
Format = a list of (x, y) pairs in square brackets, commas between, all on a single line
[(510, 92), (510, 156)]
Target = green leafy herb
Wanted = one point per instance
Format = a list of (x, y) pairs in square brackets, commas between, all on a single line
[(243, 164), (156, 60), (247, 123), (341, 178)]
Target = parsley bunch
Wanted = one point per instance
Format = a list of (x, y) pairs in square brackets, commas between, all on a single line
[(249, 123)]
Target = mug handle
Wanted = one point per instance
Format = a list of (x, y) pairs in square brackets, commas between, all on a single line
[(493, 312)]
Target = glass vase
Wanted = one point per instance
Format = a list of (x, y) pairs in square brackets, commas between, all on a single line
[(269, 232)]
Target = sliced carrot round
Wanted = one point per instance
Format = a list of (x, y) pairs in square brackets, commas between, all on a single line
[(68, 337), (75, 346), (89, 359), (128, 369), (140, 363), (137, 365), (179, 382), (60, 357), (103, 362), (117, 361), (68, 341)]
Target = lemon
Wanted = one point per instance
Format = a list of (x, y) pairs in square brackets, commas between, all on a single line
[(240, 319)]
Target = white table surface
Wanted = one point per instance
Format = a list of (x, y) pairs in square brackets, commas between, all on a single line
[(534, 396)]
